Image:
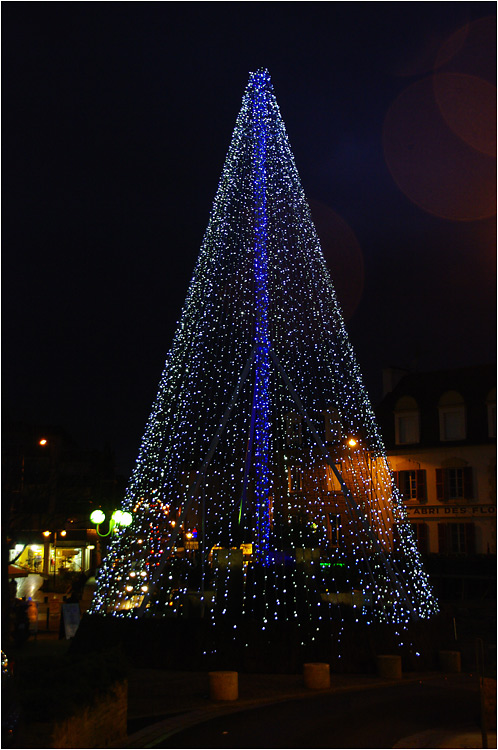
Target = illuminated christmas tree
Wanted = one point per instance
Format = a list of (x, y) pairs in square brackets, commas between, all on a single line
[(261, 490)]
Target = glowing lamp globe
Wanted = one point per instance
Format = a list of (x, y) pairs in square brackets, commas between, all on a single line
[(126, 518), (97, 517), (122, 518)]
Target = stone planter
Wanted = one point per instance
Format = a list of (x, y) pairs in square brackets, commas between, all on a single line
[(223, 686), (316, 676)]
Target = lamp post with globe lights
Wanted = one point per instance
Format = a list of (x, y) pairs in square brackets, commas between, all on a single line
[(118, 518)]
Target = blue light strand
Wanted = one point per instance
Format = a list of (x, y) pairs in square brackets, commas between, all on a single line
[(259, 82)]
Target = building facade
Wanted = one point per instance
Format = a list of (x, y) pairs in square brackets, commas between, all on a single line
[(50, 485), (440, 434)]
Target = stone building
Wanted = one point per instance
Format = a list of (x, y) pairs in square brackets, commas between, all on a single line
[(440, 434)]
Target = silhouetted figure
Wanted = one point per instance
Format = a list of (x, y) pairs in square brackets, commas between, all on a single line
[(32, 614)]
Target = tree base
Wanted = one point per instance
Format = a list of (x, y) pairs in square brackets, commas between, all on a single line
[(195, 644)]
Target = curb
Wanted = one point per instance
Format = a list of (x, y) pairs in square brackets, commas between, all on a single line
[(152, 735), (434, 738)]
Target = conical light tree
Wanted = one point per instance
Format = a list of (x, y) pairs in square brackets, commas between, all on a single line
[(262, 488)]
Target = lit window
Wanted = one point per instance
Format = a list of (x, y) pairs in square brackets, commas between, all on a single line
[(408, 484), (411, 483)]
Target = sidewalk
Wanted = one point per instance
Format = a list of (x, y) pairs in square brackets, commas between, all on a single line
[(181, 699), (163, 703), (448, 740)]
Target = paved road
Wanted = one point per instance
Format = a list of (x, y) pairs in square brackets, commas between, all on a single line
[(377, 718)]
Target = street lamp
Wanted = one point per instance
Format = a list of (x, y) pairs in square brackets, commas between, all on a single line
[(118, 518)]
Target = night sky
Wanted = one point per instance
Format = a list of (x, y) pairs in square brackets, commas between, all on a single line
[(116, 121)]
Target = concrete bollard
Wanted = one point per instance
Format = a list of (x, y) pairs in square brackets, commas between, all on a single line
[(223, 686), (316, 676), (389, 666), (450, 661)]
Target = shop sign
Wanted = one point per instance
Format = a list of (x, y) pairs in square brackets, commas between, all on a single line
[(455, 511)]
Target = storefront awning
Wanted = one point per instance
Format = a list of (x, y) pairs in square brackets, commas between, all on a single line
[(16, 572)]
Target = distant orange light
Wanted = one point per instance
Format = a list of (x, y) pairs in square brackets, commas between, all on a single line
[(46, 533), (43, 441), (352, 442), (63, 533)]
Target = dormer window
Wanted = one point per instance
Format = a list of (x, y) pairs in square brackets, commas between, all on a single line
[(407, 421), (452, 421)]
